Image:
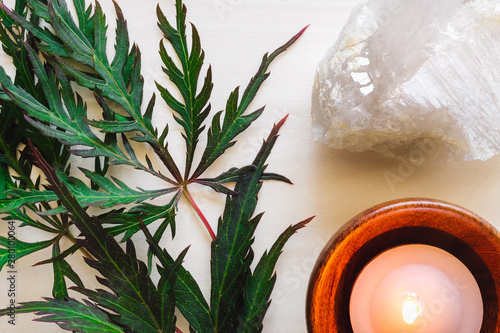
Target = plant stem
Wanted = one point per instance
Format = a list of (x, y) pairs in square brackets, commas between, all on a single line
[(84, 251), (178, 330), (198, 211)]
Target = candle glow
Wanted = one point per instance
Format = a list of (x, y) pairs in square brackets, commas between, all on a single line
[(412, 309), (416, 289)]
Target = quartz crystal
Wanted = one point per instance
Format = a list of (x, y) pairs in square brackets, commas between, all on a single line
[(405, 74)]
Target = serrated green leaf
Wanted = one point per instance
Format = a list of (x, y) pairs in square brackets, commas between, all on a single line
[(221, 136), (121, 41), (77, 50), (70, 315), (72, 249), (188, 295), (19, 198), (18, 249), (61, 270), (136, 300), (71, 131), (231, 250), (134, 292), (85, 18), (48, 41), (192, 110), (259, 285), (111, 194), (124, 84), (75, 42), (128, 223), (100, 38), (166, 287), (121, 81), (111, 84), (14, 129), (38, 8), (21, 215), (217, 183)]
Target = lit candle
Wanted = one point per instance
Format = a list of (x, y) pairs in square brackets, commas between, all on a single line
[(416, 288)]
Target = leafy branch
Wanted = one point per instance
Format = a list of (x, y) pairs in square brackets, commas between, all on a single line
[(44, 120)]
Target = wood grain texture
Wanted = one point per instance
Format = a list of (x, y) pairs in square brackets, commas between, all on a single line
[(410, 221)]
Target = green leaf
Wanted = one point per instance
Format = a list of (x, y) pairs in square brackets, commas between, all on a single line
[(23, 197), (72, 249), (61, 270), (4, 180), (54, 51), (192, 110), (14, 249), (38, 8), (85, 19), (121, 81), (71, 131), (75, 42), (70, 315), (231, 250), (100, 38), (168, 277), (135, 298), (217, 183), (188, 295), (27, 220), (48, 41), (124, 84), (122, 45), (260, 284), (129, 222), (221, 136), (111, 194), (14, 129)]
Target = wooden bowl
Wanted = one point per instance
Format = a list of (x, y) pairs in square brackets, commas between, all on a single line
[(411, 221)]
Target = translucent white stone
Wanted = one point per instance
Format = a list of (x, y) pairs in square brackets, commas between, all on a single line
[(406, 71)]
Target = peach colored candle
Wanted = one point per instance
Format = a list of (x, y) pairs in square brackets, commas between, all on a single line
[(416, 289)]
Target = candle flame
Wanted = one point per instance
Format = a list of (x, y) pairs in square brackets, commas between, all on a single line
[(412, 309)]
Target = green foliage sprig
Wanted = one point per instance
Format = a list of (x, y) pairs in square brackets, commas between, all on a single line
[(44, 120)]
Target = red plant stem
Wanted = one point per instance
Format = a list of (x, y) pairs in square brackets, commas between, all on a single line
[(198, 211), (178, 330)]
